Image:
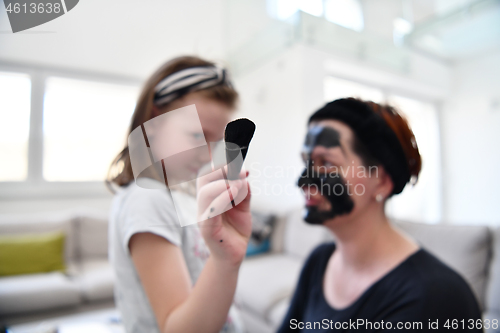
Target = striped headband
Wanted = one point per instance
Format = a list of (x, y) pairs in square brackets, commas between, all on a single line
[(189, 80)]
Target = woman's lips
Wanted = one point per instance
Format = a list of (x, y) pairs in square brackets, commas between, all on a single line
[(312, 202), (312, 199)]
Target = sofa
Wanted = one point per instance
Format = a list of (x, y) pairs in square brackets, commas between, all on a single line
[(266, 281), (88, 278)]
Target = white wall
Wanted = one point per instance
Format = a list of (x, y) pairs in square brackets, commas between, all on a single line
[(125, 37), (243, 20), (273, 97), (471, 141)]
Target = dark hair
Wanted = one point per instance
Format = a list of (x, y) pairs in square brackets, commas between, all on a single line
[(382, 136), (402, 129), (120, 171)]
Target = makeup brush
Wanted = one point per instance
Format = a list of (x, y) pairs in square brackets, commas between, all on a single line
[(237, 137)]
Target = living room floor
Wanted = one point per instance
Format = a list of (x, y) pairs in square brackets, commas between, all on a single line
[(100, 318)]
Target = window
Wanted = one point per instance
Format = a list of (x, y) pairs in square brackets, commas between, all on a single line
[(15, 91), (283, 9), (84, 127), (402, 28), (347, 13), (313, 7), (60, 133), (421, 202)]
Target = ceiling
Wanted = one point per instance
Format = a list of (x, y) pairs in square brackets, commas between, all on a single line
[(132, 37), (125, 37)]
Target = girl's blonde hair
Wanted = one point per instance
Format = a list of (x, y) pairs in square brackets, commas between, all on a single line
[(120, 171)]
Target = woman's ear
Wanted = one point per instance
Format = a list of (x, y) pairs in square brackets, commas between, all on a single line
[(385, 185)]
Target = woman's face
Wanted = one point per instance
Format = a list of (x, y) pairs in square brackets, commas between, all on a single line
[(182, 132), (360, 181)]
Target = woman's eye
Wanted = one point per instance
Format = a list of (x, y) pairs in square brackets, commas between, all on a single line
[(328, 164)]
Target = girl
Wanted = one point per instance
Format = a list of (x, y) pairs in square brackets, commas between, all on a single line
[(166, 281)]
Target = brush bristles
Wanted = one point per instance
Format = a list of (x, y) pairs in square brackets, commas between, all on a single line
[(239, 132)]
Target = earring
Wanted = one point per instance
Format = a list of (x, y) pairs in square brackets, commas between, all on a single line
[(379, 197)]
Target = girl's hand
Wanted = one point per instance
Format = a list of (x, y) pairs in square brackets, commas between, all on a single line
[(226, 234)]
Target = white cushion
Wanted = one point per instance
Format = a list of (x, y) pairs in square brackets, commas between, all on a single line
[(464, 248), (265, 280), (493, 290), (278, 312), (301, 238), (43, 222), (254, 323), (96, 280), (34, 292), (92, 236)]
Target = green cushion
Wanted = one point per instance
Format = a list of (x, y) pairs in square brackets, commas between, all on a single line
[(27, 254)]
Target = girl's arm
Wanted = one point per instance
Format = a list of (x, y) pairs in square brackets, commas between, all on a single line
[(177, 306)]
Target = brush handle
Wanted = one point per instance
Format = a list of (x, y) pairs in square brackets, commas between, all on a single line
[(234, 163)]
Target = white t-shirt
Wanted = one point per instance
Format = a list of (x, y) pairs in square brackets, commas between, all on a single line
[(135, 210)]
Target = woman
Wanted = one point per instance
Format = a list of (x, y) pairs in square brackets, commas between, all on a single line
[(373, 278), (166, 281)]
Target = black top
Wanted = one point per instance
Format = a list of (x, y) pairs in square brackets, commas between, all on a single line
[(419, 292)]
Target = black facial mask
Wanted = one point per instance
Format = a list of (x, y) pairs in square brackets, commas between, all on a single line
[(331, 185), (320, 136)]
